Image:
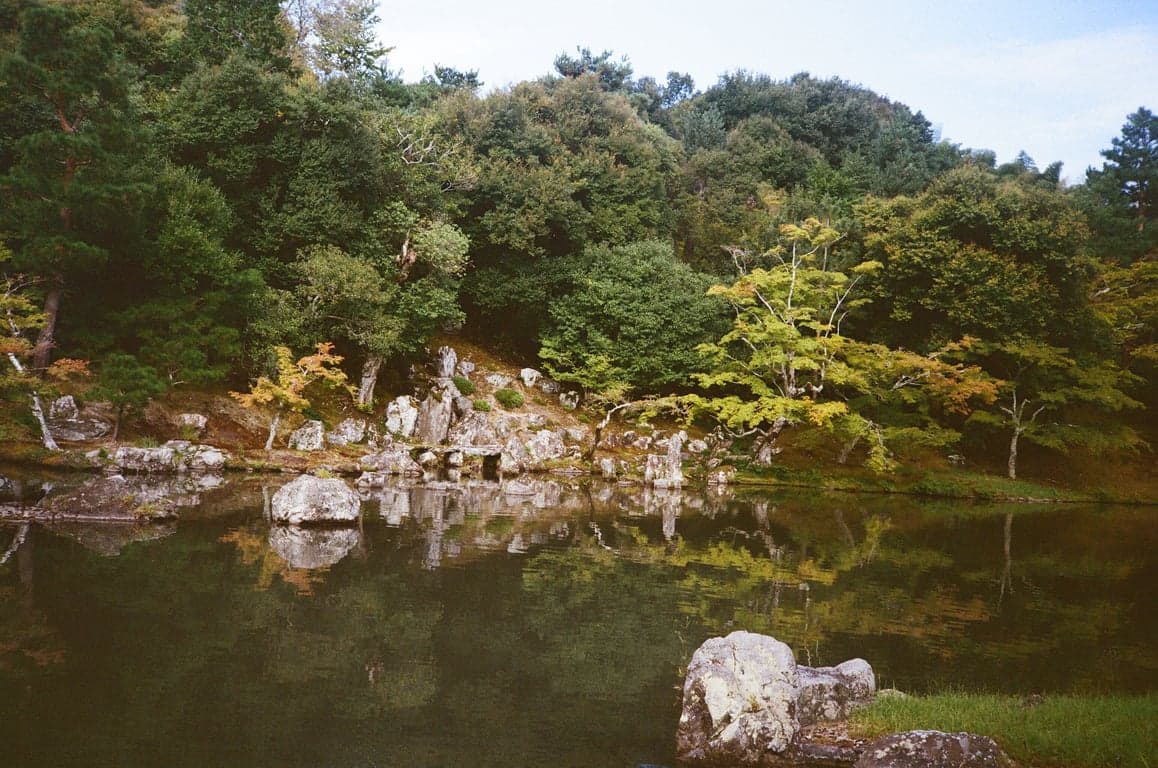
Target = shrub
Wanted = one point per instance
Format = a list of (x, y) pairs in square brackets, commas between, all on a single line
[(509, 398), (482, 404), (465, 385)]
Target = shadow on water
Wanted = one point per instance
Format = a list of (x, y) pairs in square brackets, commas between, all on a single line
[(531, 622)]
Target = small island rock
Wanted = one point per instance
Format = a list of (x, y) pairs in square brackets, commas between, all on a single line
[(308, 499)]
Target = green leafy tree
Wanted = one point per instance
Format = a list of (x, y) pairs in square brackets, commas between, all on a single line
[(253, 29), (630, 319), (128, 384), (785, 356), (69, 188), (1050, 398)]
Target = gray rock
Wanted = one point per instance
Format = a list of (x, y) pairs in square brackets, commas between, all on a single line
[(721, 477), (434, 417), (933, 749), (471, 430), (544, 446), (549, 386), (513, 457), (69, 423), (194, 422), (739, 701), (401, 416), (391, 461), (530, 377), (173, 456), (462, 406), (428, 459), (312, 547), (453, 459), (831, 693), (666, 471), (576, 434), (569, 400), (63, 409), (608, 469), (308, 437), (466, 368), (308, 499), (697, 446), (498, 380), (347, 432), (447, 360)]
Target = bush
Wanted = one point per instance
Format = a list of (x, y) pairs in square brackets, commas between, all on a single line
[(482, 404), (465, 385), (509, 398)]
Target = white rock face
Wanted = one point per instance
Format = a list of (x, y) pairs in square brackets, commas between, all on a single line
[(530, 377), (310, 436), (498, 380), (391, 461), (544, 446), (348, 431), (608, 469), (569, 400), (739, 702), (434, 417), (830, 693), (308, 499), (447, 360), (666, 471), (66, 422), (173, 456), (193, 421), (401, 416)]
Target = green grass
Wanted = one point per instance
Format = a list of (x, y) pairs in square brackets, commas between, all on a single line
[(482, 404), (464, 385), (1062, 731)]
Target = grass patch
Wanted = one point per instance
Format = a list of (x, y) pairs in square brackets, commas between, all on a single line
[(1085, 732), (482, 404), (464, 385), (509, 398)]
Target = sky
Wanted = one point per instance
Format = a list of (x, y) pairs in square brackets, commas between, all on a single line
[(1056, 79)]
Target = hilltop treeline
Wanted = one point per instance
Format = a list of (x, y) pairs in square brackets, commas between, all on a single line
[(188, 186)]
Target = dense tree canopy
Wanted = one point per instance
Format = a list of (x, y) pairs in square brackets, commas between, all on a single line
[(188, 188)]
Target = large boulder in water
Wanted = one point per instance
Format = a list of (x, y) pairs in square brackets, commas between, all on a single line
[(933, 749), (739, 704), (308, 499)]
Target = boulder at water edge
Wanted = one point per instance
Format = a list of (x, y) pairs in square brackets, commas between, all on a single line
[(934, 749), (308, 499), (739, 702), (746, 699)]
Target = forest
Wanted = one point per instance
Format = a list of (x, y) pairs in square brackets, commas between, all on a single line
[(194, 190)]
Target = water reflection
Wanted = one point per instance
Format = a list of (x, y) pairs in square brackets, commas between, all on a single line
[(536, 622)]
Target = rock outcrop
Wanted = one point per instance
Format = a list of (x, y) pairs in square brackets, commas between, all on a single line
[(739, 702), (174, 456), (67, 422), (933, 749), (666, 471), (308, 499), (746, 700), (401, 416), (310, 436), (347, 432)]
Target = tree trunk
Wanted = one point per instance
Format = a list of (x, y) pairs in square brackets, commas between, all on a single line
[(369, 379), (847, 450), (1013, 454), (37, 410), (47, 338), (272, 431)]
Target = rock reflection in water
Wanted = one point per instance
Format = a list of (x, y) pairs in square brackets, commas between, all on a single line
[(109, 539), (311, 548)]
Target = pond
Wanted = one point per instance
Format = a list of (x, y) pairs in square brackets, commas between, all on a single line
[(536, 623)]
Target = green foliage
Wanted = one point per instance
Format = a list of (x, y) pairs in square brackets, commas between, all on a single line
[(631, 319), (482, 404), (464, 385), (509, 398), (128, 384)]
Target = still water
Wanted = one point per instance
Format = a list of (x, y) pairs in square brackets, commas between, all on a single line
[(542, 623)]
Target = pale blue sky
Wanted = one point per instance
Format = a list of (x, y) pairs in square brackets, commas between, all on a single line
[(1056, 79)]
